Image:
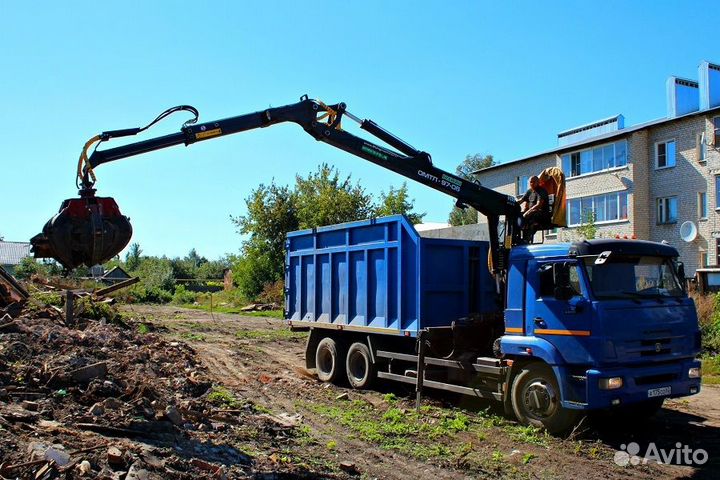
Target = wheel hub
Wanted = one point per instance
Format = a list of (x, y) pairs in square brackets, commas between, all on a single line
[(540, 399), (324, 361), (357, 366)]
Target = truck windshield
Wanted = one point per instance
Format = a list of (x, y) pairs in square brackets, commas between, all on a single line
[(624, 276)]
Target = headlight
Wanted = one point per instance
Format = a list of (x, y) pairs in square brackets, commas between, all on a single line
[(694, 372), (612, 383)]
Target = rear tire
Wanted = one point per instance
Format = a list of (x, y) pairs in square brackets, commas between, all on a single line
[(359, 366), (536, 400), (328, 363)]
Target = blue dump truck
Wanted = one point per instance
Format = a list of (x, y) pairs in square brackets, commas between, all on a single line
[(549, 330), (600, 324)]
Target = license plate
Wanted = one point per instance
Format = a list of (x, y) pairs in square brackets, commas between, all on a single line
[(659, 392)]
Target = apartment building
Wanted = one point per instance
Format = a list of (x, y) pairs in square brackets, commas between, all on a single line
[(656, 181)]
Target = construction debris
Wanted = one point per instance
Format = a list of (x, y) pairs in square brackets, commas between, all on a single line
[(97, 398), (260, 307), (12, 295)]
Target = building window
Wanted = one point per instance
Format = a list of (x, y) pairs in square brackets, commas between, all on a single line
[(704, 259), (716, 136), (596, 159), (717, 191), (701, 147), (702, 205), (665, 154), (521, 185), (608, 207), (667, 210), (717, 251)]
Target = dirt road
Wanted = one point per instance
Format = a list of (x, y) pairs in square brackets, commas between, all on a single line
[(378, 434)]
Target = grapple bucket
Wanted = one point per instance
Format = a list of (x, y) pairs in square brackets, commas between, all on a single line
[(86, 231)]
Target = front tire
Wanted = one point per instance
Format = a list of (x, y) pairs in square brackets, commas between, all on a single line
[(328, 363), (359, 366), (536, 400)]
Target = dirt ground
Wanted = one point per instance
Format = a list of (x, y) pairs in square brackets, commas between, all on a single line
[(378, 434)]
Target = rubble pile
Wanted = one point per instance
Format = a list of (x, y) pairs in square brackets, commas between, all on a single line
[(109, 400)]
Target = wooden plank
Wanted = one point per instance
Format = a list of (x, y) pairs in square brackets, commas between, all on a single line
[(117, 286)]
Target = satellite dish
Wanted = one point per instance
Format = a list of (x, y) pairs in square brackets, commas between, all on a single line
[(688, 231)]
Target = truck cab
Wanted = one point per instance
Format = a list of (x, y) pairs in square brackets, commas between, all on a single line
[(608, 319)]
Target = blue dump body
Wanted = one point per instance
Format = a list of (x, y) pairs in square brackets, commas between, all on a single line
[(379, 275)]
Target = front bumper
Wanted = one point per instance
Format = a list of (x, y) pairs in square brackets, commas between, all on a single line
[(637, 382)]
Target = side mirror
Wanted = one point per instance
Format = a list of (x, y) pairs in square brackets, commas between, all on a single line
[(681, 273)]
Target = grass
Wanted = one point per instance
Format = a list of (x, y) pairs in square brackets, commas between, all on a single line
[(235, 310), (193, 337), (270, 335), (404, 430), (711, 370), (222, 397)]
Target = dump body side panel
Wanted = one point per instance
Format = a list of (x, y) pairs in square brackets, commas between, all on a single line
[(380, 275)]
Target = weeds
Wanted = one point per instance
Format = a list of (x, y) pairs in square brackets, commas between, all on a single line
[(222, 397), (193, 337)]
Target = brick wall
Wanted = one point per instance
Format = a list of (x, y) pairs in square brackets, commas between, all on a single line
[(643, 184)]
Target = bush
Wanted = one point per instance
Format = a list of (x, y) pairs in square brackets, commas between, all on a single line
[(86, 308), (142, 294), (273, 292), (708, 311), (28, 267), (183, 296)]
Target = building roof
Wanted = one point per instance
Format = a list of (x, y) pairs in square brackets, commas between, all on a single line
[(598, 139), (11, 253), (116, 272)]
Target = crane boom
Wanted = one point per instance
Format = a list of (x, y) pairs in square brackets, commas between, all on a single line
[(322, 122)]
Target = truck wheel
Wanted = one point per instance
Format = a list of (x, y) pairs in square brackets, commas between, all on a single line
[(359, 366), (536, 400), (328, 365)]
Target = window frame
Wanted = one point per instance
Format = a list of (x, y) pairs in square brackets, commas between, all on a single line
[(701, 210), (518, 189), (572, 161), (657, 154), (716, 131), (665, 209), (607, 202)]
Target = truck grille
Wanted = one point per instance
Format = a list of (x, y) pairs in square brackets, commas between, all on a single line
[(656, 343)]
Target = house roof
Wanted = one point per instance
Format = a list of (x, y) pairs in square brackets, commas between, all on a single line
[(11, 253), (116, 272), (599, 138)]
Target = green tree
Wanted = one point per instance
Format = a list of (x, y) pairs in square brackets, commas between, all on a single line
[(156, 273), (132, 258), (324, 198), (252, 270), (212, 270), (396, 201), (28, 267), (472, 163), (271, 214)]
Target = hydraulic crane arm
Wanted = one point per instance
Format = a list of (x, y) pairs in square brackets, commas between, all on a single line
[(323, 122)]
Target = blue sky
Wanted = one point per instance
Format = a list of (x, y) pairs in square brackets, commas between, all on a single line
[(451, 78)]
